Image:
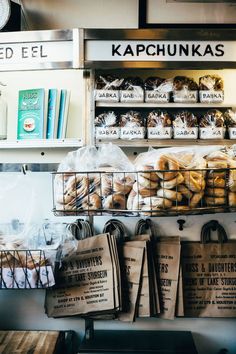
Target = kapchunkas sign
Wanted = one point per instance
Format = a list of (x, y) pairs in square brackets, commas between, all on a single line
[(146, 50)]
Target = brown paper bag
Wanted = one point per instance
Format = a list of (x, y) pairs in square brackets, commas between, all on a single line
[(167, 262), (133, 264), (87, 281), (152, 275), (209, 275), (144, 308)]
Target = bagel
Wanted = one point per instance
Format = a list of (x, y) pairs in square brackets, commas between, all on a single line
[(130, 199), (115, 201), (181, 188), (169, 194), (195, 199), (232, 199), (215, 200), (138, 202), (77, 186), (232, 179), (167, 167), (123, 183), (145, 210), (217, 155), (146, 183), (157, 202), (195, 181), (214, 174), (180, 208), (173, 182), (217, 164), (216, 182), (152, 175), (216, 192), (91, 202), (105, 187), (144, 192)]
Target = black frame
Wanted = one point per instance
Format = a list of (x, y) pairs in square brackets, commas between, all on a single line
[(143, 21)]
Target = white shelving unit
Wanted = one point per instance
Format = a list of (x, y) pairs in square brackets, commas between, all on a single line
[(161, 105)]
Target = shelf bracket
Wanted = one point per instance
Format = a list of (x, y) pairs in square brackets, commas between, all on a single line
[(89, 329)]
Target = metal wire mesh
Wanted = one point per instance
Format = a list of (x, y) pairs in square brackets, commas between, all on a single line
[(145, 193), (25, 269)]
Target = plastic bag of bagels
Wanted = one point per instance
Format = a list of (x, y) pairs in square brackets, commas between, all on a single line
[(91, 179), (179, 180)]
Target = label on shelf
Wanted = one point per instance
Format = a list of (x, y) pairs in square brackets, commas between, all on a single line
[(232, 132), (132, 133), (107, 133), (155, 96), (182, 96), (186, 133), (159, 133), (107, 95), (211, 96), (212, 133), (132, 96)]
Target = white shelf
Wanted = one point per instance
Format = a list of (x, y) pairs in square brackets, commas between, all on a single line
[(161, 105), (166, 143), (40, 143)]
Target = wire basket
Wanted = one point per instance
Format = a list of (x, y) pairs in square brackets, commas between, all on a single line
[(25, 269), (145, 193)]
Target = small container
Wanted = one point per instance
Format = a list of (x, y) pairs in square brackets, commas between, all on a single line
[(212, 133), (3, 118)]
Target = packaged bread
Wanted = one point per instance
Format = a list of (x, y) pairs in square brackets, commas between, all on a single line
[(159, 125), (107, 88), (131, 90), (132, 125), (230, 122), (185, 89), (185, 125), (212, 125), (157, 89), (211, 89), (107, 126)]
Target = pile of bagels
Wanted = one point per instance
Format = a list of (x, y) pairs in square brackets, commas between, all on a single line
[(168, 183)]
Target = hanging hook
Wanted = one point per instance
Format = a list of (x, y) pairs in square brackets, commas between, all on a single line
[(24, 168), (181, 223)]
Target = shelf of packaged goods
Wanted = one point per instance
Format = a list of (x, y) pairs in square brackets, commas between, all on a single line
[(161, 105), (40, 143), (166, 143)]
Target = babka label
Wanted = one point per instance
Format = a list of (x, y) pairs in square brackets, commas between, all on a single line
[(185, 96), (159, 133), (211, 96), (132, 133), (186, 133), (107, 133), (232, 133), (107, 95), (155, 96), (136, 95), (212, 133)]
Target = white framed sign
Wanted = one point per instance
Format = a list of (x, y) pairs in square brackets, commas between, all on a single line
[(153, 13), (160, 50), (40, 50)]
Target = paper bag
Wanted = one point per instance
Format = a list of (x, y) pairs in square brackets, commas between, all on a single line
[(133, 264), (209, 275), (87, 281), (167, 262)]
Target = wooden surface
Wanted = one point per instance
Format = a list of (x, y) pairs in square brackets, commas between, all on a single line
[(29, 342)]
